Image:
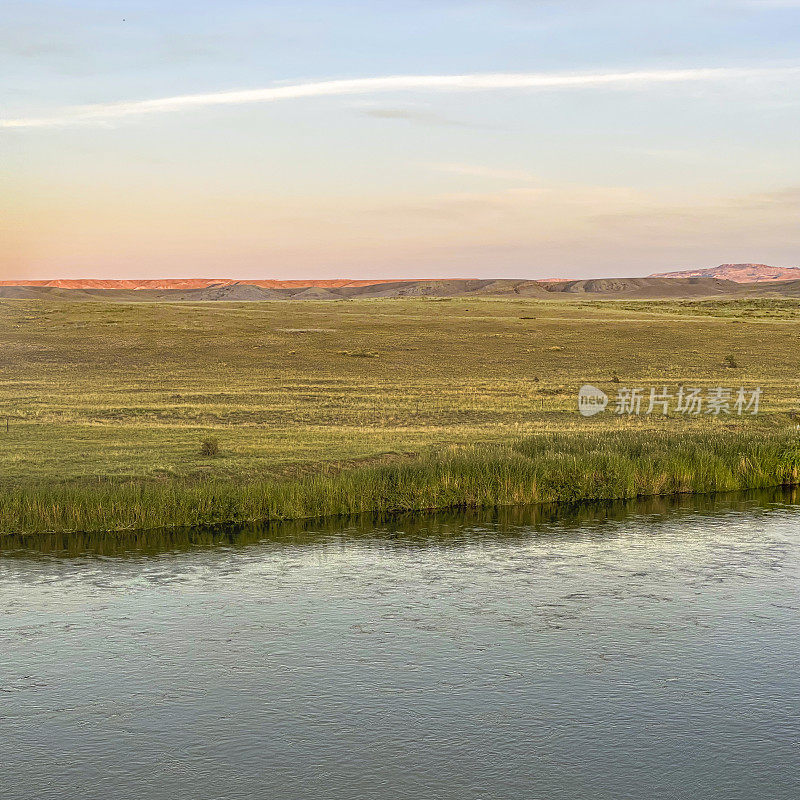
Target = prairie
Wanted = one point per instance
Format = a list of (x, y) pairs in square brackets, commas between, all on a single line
[(333, 407)]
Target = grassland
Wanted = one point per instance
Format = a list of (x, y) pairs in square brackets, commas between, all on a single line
[(323, 408)]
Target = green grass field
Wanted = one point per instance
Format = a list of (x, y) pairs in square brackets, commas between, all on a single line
[(334, 407)]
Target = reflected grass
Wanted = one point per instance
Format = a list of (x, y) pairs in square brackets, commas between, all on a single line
[(449, 527)]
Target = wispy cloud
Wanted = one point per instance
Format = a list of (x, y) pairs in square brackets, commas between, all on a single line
[(401, 83)]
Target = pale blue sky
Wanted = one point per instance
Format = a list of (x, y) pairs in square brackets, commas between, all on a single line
[(674, 167)]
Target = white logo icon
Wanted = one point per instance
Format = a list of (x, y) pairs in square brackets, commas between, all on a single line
[(591, 400)]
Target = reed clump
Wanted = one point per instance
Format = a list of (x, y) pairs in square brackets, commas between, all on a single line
[(544, 468)]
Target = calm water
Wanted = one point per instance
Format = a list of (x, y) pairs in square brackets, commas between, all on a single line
[(647, 651)]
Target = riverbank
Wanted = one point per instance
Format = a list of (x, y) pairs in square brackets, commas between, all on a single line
[(546, 468), (322, 409)]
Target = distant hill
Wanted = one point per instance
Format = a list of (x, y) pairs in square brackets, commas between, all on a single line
[(738, 273), (190, 283), (239, 291), (231, 288)]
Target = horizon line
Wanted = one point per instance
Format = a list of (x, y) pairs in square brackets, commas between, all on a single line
[(351, 282)]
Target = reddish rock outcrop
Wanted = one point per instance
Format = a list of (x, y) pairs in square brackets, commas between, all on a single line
[(739, 273)]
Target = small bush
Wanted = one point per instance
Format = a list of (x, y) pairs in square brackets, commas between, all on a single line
[(730, 362), (209, 447)]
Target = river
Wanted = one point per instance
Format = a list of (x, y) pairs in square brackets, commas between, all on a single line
[(642, 650)]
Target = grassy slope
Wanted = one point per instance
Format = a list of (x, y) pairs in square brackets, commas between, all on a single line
[(371, 405)]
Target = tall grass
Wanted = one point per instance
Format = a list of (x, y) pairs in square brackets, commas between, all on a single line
[(544, 468)]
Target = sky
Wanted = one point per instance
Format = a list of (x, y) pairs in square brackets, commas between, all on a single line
[(397, 138)]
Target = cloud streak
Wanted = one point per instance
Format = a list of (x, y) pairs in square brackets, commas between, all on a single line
[(103, 113)]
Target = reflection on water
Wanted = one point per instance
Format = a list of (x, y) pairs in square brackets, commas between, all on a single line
[(636, 650), (410, 529)]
